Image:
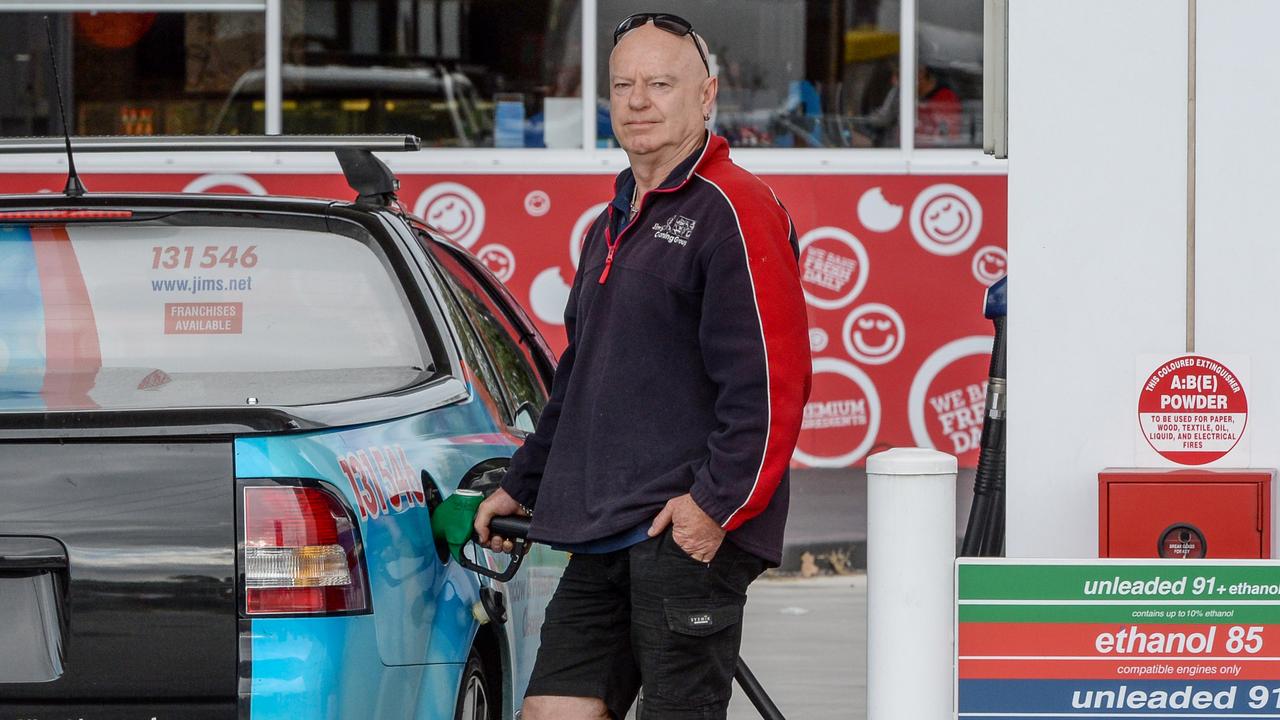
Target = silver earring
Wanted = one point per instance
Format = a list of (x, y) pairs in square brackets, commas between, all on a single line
[(706, 117)]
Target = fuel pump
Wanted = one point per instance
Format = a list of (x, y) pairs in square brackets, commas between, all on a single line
[(984, 535)]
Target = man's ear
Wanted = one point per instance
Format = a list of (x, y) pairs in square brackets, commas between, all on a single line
[(710, 87)]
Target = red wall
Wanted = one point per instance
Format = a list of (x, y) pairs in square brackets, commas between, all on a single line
[(895, 281)]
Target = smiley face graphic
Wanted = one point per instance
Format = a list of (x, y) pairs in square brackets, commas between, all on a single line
[(225, 183), (874, 334), (499, 259), (817, 339), (450, 215), (990, 263), (454, 210), (946, 219), (537, 203)]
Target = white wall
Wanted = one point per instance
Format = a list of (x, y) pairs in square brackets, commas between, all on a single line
[(1237, 196), (1097, 238)]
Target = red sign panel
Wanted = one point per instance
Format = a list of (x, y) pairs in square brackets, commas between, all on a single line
[(894, 269), (214, 318)]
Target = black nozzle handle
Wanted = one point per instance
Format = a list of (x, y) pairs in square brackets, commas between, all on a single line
[(511, 527), (517, 557)]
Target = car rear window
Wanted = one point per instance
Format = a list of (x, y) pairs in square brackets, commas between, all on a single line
[(200, 310)]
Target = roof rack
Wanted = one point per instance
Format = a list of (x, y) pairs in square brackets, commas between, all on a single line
[(225, 143)]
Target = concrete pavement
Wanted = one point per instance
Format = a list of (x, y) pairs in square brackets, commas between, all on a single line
[(806, 640)]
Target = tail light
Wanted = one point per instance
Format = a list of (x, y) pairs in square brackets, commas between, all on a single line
[(301, 553), (65, 215)]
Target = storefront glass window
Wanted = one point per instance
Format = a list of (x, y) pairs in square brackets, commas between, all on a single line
[(457, 73), (125, 73), (493, 73), (793, 73), (949, 73)]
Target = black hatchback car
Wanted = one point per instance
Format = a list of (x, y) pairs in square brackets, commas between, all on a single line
[(223, 423)]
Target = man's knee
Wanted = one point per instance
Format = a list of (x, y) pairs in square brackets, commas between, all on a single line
[(559, 707)]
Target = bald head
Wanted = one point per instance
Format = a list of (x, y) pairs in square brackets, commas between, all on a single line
[(685, 51), (659, 91)]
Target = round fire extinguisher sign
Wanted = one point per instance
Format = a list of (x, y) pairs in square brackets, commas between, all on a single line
[(1192, 410)]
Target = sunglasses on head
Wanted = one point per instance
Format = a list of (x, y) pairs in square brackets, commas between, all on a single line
[(673, 24)]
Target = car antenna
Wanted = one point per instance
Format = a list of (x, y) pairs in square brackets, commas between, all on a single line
[(74, 187)]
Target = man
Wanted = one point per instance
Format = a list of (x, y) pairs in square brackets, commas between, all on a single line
[(660, 460)]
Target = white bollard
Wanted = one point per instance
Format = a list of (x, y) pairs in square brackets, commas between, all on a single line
[(911, 550)]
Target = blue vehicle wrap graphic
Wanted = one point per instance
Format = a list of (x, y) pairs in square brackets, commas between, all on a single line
[(328, 668), (22, 332), (407, 656)]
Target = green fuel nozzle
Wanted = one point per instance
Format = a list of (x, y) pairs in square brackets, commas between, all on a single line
[(452, 524), (452, 520)]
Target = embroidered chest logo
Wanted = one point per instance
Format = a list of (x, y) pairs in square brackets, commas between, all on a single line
[(676, 230)]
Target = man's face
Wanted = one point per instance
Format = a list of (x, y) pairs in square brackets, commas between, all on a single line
[(659, 90)]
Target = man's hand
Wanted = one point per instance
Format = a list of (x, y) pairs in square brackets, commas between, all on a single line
[(497, 504), (693, 530)]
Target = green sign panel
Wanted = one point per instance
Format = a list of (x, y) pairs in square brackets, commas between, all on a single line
[(1117, 638)]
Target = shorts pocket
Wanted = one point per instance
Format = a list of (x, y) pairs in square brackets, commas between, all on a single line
[(674, 548), (699, 650)]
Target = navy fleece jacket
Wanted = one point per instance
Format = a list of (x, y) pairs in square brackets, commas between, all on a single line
[(687, 367)]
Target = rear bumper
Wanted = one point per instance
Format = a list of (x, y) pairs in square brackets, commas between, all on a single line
[(120, 711), (293, 668)]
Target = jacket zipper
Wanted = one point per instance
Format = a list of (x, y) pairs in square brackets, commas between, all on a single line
[(613, 243)]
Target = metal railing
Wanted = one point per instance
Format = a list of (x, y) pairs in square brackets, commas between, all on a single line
[(228, 143)]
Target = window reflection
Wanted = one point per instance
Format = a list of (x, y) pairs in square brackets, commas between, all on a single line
[(124, 73), (457, 73), (793, 73), (824, 73), (493, 73), (949, 82)]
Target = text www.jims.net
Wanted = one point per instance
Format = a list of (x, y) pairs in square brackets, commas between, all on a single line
[(197, 284)]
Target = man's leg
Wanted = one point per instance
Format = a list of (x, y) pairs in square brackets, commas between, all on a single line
[(554, 707), (585, 669), (686, 626)]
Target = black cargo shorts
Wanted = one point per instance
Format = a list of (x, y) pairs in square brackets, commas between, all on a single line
[(647, 615)]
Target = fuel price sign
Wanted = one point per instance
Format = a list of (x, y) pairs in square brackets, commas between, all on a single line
[(1117, 638)]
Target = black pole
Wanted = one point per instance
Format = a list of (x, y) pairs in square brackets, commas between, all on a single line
[(755, 692)]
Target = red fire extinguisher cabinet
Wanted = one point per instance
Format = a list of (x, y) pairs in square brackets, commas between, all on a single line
[(1184, 513)]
